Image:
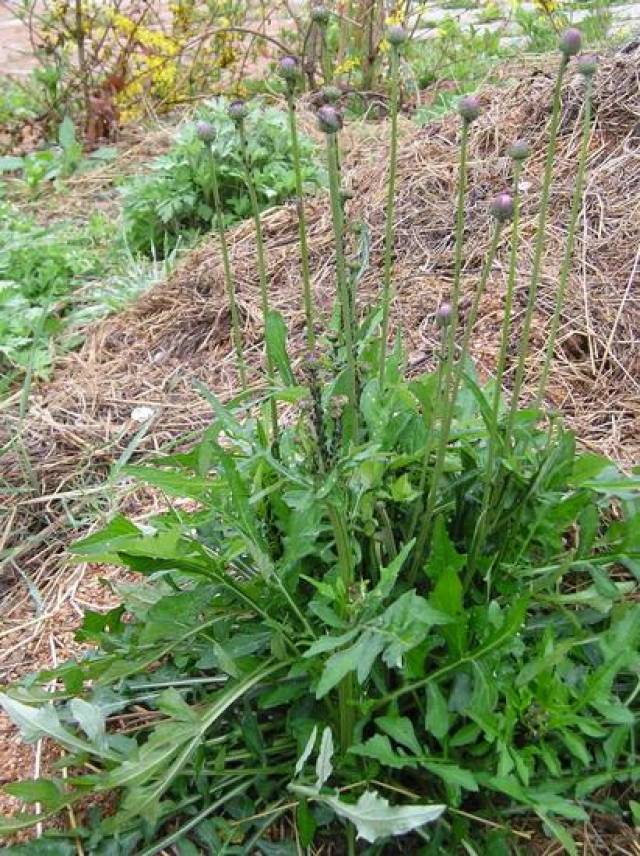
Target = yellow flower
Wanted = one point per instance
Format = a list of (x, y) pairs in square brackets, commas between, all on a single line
[(346, 66), (547, 6)]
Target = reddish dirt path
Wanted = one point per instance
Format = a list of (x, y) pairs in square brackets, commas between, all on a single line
[(16, 56)]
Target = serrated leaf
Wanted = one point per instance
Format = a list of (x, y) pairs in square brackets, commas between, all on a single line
[(437, 718), (374, 818), (452, 774), (90, 719), (276, 343), (37, 722), (379, 749), (306, 823), (400, 729), (324, 767), (306, 752), (171, 702), (46, 791)]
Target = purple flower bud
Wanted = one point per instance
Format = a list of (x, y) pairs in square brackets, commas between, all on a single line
[(320, 15), (288, 68), (330, 94), (329, 119), (205, 131), (570, 42), (396, 35), (519, 151), (237, 111), (587, 64), (469, 108), (502, 207), (443, 314)]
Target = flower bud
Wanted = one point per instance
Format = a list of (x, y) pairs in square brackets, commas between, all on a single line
[(443, 314), (288, 68), (237, 111), (396, 35), (502, 207), (469, 108), (570, 42), (519, 151), (330, 94), (205, 131), (587, 64), (320, 15), (329, 119)]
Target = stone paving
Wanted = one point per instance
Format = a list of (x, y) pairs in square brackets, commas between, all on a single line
[(625, 20), (16, 56)]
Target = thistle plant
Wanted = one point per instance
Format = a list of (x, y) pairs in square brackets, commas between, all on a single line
[(443, 320), (330, 123), (469, 110), (587, 66), (569, 46), (206, 132), (238, 112), (282, 655), (320, 16), (396, 36), (288, 69), (518, 152)]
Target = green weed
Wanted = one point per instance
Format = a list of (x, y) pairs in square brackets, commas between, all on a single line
[(172, 204), (295, 648)]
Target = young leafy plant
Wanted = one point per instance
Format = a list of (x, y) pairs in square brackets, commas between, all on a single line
[(295, 646), (170, 204)]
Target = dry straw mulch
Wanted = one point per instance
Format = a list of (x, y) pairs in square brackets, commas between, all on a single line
[(88, 415)]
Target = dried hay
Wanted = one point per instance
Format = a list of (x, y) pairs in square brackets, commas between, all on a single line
[(149, 356)]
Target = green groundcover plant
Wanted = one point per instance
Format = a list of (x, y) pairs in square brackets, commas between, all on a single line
[(39, 269), (402, 617), (172, 203)]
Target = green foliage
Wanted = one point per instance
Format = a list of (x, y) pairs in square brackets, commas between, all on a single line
[(39, 267), (44, 271), (18, 103), (58, 162), (404, 610), (462, 55), (173, 202), (513, 689)]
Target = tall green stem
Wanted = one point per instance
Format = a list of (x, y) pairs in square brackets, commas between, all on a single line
[(576, 207), (351, 418), (539, 244), (346, 686), (388, 236), (262, 269), (228, 276), (443, 439), (505, 335), (302, 223), (425, 530), (428, 449)]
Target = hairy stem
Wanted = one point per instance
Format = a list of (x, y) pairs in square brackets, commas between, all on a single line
[(262, 270), (302, 223), (428, 449), (351, 416), (346, 685), (388, 236), (449, 397), (228, 276), (539, 245), (576, 207), (505, 335)]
